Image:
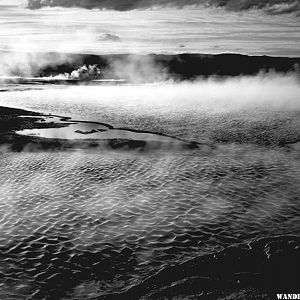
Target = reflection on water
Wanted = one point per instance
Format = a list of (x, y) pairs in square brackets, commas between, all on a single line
[(88, 130)]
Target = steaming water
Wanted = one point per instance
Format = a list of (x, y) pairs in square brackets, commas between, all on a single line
[(261, 109), (109, 219), (78, 224)]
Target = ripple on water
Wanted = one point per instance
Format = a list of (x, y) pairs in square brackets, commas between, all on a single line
[(105, 220)]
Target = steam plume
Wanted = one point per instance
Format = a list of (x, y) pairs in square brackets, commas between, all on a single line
[(83, 73)]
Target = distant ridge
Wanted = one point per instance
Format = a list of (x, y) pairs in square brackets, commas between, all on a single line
[(154, 67), (181, 66)]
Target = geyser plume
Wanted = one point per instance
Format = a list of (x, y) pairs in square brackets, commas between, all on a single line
[(136, 69), (17, 63), (84, 73), (32, 64)]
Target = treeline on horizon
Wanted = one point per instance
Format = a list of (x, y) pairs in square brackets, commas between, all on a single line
[(179, 66)]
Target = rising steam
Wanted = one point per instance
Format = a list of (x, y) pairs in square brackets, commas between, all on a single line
[(20, 64), (17, 63), (84, 73)]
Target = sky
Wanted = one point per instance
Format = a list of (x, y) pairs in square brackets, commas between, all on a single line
[(139, 26)]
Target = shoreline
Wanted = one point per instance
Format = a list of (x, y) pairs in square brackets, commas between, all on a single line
[(255, 268), (13, 120)]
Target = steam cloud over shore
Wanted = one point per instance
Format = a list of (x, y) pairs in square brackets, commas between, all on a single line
[(141, 68)]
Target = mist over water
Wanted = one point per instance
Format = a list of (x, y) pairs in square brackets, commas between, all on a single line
[(205, 109), (132, 213), (268, 92)]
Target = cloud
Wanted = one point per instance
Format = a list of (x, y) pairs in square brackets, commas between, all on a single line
[(11, 2), (270, 6), (284, 8), (109, 37)]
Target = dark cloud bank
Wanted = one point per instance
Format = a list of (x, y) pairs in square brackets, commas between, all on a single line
[(270, 6)]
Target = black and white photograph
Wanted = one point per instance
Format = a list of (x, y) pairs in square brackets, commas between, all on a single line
[(149, 149)]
